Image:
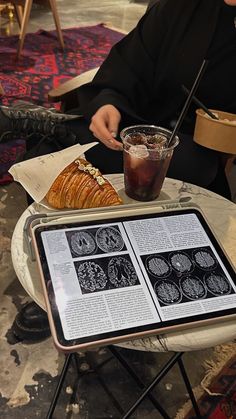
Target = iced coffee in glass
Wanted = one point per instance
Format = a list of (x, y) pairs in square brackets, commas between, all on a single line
[(147, 155)]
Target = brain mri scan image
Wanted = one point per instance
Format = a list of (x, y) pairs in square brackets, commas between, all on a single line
[(158, 266), (204, 259), (109, 239), (82, 243), (121, 272), (91, 276), (193, 288), (217, 284), (167, 292), (181, 262)]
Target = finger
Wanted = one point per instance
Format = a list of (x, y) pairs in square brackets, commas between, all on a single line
[(114, 134), (101, 132), (113, 123), (105, 124), (100, 129), (118, 143), (112, 144)]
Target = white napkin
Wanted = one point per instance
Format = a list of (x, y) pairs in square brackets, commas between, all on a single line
[(38, 174)]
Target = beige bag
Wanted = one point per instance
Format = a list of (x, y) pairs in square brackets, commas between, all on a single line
[(216, 134)]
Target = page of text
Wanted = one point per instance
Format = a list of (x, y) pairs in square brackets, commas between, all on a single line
[(185, 274), (98, 284)]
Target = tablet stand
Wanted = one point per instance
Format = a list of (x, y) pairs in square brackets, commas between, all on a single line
[(146, 389)]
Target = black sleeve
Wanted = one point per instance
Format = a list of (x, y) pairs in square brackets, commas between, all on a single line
[(125, 79)]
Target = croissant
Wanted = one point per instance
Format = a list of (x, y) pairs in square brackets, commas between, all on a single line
[(80, 185)]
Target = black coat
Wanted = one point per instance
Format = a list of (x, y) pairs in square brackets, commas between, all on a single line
[(142, 77), (143, 74)]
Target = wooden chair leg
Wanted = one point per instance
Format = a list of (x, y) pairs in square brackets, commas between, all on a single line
[(1, 90), (57, 22), (25, 19), (19, 13)]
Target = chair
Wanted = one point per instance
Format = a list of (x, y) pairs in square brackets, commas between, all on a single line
[(66, 94), (22, 9)]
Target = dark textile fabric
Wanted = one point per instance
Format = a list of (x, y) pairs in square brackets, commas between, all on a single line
[(143, 74), (192, 163), (9, 152), (220, 401), (43, 66)]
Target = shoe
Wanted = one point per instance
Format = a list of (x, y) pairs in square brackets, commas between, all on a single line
[(24, 119), (31, 324)]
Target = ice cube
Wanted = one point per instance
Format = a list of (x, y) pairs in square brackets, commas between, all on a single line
[(135, 162), (140, 151), (157, 141), (137, 155)]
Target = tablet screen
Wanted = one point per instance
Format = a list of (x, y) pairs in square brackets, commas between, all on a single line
[(134, 274)]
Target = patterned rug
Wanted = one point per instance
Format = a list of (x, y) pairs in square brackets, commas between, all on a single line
[(43, 66), (217, 394)]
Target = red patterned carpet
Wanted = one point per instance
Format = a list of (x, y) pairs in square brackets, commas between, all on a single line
[(220, 403), (43, 65)]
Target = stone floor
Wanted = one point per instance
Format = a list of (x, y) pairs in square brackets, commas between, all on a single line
[(29, 372), (122, 14)]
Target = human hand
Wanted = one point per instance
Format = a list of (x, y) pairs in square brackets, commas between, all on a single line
[(104, 126)]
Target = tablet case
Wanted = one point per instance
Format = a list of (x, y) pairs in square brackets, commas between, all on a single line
[(70, 219)]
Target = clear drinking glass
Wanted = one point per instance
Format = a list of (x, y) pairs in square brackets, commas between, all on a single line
[(147, 155)]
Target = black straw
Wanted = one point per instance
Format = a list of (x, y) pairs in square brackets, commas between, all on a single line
[(188, 101), (197, 101)]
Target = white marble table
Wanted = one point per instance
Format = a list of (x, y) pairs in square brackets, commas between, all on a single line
[(221, 215)]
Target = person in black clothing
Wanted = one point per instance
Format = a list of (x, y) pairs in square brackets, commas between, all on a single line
[(141, 82)]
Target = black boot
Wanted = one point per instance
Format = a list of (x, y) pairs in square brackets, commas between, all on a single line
[(31, 324), (27, 120)]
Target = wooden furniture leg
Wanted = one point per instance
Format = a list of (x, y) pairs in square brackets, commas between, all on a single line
[(19, 13), (1, 90), (26, 14), (23, 19), (57, 22)]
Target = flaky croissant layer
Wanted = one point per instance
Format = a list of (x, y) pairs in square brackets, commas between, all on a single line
[(80, 185)]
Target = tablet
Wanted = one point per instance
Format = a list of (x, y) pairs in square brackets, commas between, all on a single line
[(127, 274)]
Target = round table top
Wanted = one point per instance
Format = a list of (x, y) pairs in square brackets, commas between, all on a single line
[(221, 215)]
